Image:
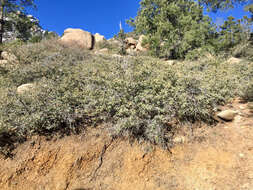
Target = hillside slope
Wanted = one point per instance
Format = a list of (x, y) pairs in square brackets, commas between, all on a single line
[(212, 158)]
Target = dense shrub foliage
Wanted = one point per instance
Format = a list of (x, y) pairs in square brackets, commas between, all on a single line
[(138, 97), (248, 92)]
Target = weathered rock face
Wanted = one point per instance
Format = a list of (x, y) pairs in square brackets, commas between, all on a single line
[(131, 42), (227, 115), (24, 88), (11, 32), (99, 38), (131, 51), (139, 46), (77, 37)]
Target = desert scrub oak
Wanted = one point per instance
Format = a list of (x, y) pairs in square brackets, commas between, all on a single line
[(135, 96)]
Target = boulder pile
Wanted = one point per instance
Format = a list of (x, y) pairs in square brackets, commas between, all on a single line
[(81, 38), (136, 45), (78, 37)]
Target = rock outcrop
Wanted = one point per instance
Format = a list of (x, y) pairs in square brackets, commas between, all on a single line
[(131, 51), (77, 37), (131, 43), (139, 46), (135, 45), (12, 32), (99, 38)]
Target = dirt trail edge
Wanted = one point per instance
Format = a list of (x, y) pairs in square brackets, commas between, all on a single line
[(220, 158)]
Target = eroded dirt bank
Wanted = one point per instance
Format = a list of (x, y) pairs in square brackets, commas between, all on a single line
[(218, 158)]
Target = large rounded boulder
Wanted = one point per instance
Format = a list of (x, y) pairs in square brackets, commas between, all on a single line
[(77, 37)]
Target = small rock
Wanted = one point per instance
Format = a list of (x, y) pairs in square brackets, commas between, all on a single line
[(170, 62), (233, 60), (227, 115), (241, 155), (179, 139), (25, 88), (9, 57)]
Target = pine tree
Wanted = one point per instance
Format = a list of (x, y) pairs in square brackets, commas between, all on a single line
[(234, 32), (215, 5), (250, 9), (12, 6), (172, 27)]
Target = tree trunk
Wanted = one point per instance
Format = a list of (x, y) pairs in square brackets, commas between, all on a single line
[(2, 22)]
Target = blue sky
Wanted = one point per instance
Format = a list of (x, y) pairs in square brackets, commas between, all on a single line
[(102, 16)]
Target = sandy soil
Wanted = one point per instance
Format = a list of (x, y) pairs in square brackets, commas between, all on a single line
[(213, 158)]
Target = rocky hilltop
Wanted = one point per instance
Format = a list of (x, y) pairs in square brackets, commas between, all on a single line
[(86, 40)]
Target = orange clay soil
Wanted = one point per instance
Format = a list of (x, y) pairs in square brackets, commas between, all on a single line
[(216, 158)]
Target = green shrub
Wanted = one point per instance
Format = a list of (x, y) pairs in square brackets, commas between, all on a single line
[(200, 53), (244, 50), (137, 97), (248, 92)]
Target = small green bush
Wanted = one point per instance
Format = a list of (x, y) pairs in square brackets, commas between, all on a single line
[(244, 50), (200, 53), (248, 92)]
